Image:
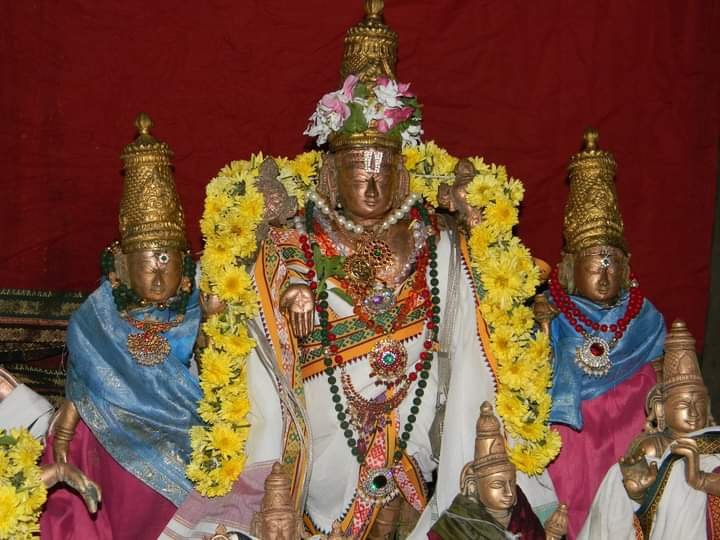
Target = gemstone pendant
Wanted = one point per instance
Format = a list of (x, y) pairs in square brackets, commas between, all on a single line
[(148, 348), (377, 485), (388, 360), (594, 356), (380, 299)]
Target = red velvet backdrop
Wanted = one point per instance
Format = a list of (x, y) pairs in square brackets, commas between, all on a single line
[(516, 82)]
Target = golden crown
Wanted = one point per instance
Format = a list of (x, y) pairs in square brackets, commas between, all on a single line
[(680, 364), (592, 217), (370, 46), (490, 453), (151, 216), (370, 138)]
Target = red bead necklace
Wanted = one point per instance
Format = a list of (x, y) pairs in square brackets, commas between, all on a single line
[(593, 356)]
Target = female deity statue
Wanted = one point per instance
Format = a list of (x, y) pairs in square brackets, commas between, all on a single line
[(604, 335), (667, 485), (490, 504), (369, 330), (130, 395)]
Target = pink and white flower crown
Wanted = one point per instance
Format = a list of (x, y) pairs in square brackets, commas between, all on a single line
[(386, 106)]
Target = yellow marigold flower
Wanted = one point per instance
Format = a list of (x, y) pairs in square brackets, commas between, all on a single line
[(481, 236), (239, 344), (217, 256), (526, 460), (443, 163), (251, 207), (500, 282), (483, 189), (521, 320), (226, 440), (306, 166), (198, 438), (479, 164), (194, 471), (494, 316), (538, 348), (233, 284), (510, 407), (501, 214), (516, 191), (230, 470), (208, 411), (235, 409), (215, 367), (412, 156), (503, 344), (515, 375), (531, 431), (219, 186), (9, 503)]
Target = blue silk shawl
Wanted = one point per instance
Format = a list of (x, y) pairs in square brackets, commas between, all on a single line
[(642, 342), (140, 414)]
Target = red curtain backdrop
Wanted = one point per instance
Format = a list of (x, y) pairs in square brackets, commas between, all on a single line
[(516, 82)]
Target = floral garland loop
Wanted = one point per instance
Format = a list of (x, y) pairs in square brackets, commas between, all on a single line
[(22, 492), (503, 271)]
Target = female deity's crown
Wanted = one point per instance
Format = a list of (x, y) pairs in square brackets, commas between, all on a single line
[(370, 46), (151, 216), (680, 364), (490, 453), (592, 217)]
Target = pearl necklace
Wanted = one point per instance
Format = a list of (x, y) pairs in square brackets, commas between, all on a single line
[(351, 226)]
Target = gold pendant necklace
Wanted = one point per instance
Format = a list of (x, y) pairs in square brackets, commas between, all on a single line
[(149, 347)]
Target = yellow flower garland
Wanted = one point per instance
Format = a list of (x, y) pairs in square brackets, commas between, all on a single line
[(22, 492), (503, 271)]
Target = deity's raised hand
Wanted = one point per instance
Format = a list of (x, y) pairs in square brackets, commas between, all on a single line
[(298, 305), (637, 474)]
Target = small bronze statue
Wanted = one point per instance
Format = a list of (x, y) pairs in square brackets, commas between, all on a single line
[(490, 503), (278, 519)]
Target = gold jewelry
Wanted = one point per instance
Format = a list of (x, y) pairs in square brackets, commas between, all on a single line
[(149, 347)]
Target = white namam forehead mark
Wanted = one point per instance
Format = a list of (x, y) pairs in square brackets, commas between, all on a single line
[(372, 161)]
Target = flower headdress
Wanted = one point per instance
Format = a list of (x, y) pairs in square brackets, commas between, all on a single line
[(386, 106)]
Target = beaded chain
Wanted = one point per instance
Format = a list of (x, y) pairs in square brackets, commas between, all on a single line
[(577, 318), (431, 303)]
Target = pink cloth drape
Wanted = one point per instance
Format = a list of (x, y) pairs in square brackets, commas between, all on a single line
[(130, 510), (611, 421)]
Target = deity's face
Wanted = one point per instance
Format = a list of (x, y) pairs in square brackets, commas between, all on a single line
[(280, 528), (154, 274), (599, 273), (366, 181), (497, 491), (686, 409)]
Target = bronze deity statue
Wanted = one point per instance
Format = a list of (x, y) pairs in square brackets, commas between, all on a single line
[(277, 518), (490, 502), (666, 485), (606, 337), (130, 394)]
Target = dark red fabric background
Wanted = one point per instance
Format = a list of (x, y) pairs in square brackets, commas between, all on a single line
[(516, 82)]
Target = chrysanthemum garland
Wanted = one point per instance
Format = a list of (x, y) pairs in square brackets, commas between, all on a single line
[(22, 491), (503, 271), (505, 277)]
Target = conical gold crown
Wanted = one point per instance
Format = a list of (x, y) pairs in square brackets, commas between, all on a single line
[(370, 46), (592, 217), (680, 364), (151, 216), (490, 453)]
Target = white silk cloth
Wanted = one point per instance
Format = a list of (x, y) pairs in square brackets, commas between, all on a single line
[(23, 408), (680, 514)]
